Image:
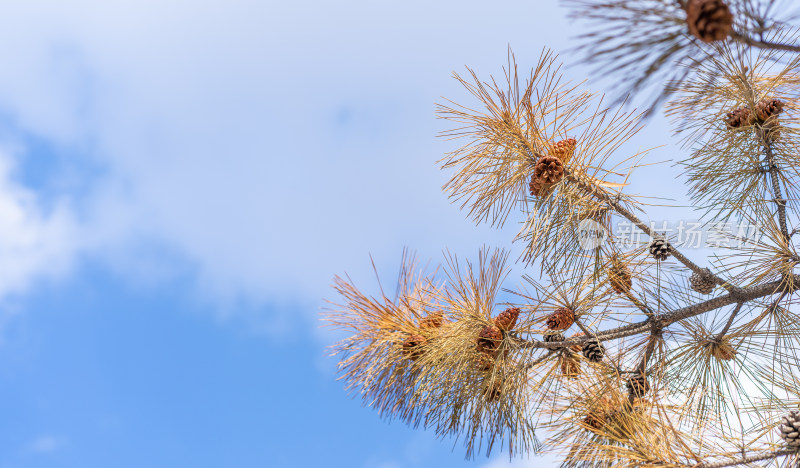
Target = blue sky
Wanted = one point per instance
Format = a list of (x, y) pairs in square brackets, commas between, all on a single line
[(180, 181)]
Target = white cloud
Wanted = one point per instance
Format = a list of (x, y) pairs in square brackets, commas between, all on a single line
[(269, 147), (35, 242)]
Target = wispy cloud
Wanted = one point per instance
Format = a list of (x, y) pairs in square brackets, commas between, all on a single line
[(266, 148)]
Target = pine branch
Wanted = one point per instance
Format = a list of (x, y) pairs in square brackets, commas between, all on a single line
[(747, 460), (730, 321), (776, 188), (740, 295), (761, 43), (440, 354)]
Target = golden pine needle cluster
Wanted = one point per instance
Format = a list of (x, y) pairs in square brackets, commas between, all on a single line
[(616, 354)]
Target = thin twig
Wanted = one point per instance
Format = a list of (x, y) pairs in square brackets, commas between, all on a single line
[(730, 322)]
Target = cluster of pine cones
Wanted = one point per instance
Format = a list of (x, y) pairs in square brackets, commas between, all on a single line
[(488, 346), (549, 168), (491, 336), (560, 320), (592, 349), (765, 113)]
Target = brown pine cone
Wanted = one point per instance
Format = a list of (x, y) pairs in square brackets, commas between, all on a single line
[(561, 319), (413, 346), (704, 284), (768, 108), (638, 386), (489, 340), (507, 319), (738, 118), (599, 414), (563, 149), (619, 277), (549, 170), (538, 188), (595, 419), (433, 320), (709, 20)]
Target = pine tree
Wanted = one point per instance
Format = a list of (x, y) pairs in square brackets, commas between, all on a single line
[(626, 354)]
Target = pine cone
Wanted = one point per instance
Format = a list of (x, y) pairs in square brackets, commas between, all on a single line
[(768, 108), (599, 415), (619, 276), (704, 284), (638, 385), (538, 188), (593, 350), (790, 429), (564, 149), (737, 118), (549, 170), (489, 340), (660, 248), (595, 419), (413, 346), (433, 320), (561, 319), (507, 319), (553, 337), (709, 20), (570, 367)]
